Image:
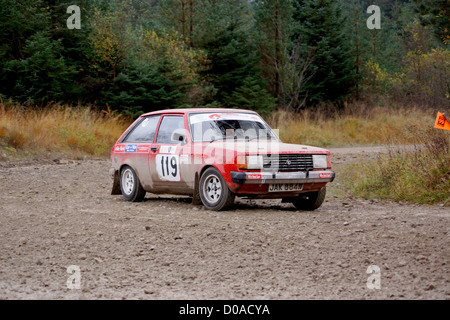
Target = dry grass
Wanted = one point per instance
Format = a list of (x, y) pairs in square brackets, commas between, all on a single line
[(420, 175), (80, 131), (57, 130), (356, 125)]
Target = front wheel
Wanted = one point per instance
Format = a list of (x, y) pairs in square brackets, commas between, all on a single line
[(130, 186), (310, 201), (214, 191)]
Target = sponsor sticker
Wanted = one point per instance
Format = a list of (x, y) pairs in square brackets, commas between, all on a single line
[(143, 149), (120, 148), (254, 176), (325, 175), (131, 148)]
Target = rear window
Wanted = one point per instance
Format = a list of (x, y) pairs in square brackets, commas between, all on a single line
[(144, 131)]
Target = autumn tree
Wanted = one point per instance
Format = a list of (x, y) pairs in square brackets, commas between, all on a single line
[(110, 41)]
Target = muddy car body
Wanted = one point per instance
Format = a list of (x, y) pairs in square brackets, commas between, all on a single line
[(215, 155)]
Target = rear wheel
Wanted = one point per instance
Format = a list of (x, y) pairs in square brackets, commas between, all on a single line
[(214, 191), (130, 186), (310, 201)]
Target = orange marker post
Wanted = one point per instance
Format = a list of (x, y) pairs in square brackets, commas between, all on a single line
[(442, 122)]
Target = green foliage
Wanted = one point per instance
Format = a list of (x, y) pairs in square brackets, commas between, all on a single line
[(436, 14), (20, 20), (137, 55), (320, 28), (421, 175), (232, 60), (252, 95), (425, 78), (274, 27), (42, 75), (142, 88)]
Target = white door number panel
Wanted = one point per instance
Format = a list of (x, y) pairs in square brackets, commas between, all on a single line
[(168, 167)]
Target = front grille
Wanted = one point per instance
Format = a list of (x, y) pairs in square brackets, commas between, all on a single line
[(288, 162)]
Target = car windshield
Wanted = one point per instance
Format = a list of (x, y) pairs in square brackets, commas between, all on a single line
[(220, 126)]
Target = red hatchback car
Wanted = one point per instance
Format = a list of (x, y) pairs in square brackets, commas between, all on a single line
[(214, 155)]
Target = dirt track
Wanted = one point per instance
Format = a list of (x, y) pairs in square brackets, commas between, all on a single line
[(55, 216)]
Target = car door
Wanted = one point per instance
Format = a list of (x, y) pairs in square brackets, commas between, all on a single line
[(164, 160), (136, 147)]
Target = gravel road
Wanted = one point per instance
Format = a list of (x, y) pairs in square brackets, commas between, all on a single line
[(53, 216)]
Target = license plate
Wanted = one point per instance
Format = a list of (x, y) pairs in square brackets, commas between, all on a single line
[(283, 187)]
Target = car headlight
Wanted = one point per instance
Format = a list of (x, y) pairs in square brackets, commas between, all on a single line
[(320, 161), (255, 162), (250, 162)]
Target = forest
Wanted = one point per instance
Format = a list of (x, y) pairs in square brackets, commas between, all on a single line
[(137, 56)]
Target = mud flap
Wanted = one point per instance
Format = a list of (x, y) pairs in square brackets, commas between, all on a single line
[(196, 200), (116, 184)]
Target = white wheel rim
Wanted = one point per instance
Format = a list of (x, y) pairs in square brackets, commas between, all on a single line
[(128, 182), (212, 189)]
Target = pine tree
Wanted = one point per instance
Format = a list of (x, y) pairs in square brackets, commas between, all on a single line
[(436, 13), (142, 87), (320, 28), (34, 59), (224, 31), (274, 25)]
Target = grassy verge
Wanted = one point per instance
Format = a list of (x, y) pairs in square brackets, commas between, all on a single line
[(356, 126), (419, 175), (72, 132), (81, 131)]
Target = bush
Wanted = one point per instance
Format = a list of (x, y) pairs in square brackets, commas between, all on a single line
[(142, 88), (43, 74), (426, 79), (418, 175), (252, 95)]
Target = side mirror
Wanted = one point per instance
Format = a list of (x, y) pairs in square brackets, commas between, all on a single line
[(179, 135)]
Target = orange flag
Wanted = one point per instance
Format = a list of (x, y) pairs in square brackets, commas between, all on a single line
[(442, 122)]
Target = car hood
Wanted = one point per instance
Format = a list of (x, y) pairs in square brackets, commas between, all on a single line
[(266, 147)]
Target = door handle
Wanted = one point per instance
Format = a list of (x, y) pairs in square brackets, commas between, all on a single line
[(154, 149)]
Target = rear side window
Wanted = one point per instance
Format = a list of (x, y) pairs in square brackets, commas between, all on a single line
[(168, 125), (144, 131)]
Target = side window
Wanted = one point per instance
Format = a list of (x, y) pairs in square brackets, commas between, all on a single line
[(144, 131), (168, 125)]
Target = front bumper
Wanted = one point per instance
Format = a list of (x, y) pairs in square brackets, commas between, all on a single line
[(282, 177)]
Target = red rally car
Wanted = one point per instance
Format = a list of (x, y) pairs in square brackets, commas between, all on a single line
[(214, 155)]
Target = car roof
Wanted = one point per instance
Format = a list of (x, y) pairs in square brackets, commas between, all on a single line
[(196, 110)]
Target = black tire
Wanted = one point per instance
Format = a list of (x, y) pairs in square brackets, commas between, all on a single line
[(214, 191), (310, 201), (130, 186)]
